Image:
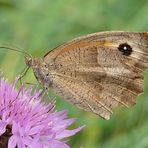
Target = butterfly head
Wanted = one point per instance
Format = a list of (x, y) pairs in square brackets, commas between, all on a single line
[(29, 61)]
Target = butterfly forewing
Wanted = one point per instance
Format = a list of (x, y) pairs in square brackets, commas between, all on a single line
[(98, 72)]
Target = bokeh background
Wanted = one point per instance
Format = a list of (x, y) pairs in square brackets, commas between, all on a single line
[(38, 25)]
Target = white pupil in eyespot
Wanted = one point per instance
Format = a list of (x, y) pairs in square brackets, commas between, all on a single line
[(125, 48)]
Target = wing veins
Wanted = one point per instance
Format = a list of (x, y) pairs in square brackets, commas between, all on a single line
[(103, 105), (99, 102)]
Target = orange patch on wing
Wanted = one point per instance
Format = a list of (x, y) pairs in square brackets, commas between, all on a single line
[(75, 45), (84, 44)]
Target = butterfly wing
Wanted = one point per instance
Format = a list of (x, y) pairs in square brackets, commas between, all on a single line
[(92, 73)]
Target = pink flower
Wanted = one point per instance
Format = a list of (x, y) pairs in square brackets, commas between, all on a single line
[(26, 122)]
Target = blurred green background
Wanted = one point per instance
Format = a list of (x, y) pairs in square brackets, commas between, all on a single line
[(38, 25)]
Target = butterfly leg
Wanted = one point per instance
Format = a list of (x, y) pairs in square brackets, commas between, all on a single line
[(23, 73)]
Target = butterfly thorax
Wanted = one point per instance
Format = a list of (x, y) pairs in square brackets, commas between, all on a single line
[(42, 70)]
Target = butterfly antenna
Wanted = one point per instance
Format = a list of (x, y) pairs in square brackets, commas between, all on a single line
[(16, 49), (23, 73)]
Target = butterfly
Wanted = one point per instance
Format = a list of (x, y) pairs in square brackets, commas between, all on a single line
[(96, 72)]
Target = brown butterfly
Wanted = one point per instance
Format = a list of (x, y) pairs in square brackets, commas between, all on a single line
[(96, 72)]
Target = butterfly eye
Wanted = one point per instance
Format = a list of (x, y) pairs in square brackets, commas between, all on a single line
[(28, 61), (125, 48)]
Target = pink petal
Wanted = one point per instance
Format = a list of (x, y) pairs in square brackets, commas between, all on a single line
[(63, 124), (68, 133), (57, 144), (12, 142), (3, 125)]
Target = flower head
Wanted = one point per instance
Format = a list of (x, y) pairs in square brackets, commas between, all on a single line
[(25, 121)]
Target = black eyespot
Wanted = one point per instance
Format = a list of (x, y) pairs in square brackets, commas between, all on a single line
[(125, 49)]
